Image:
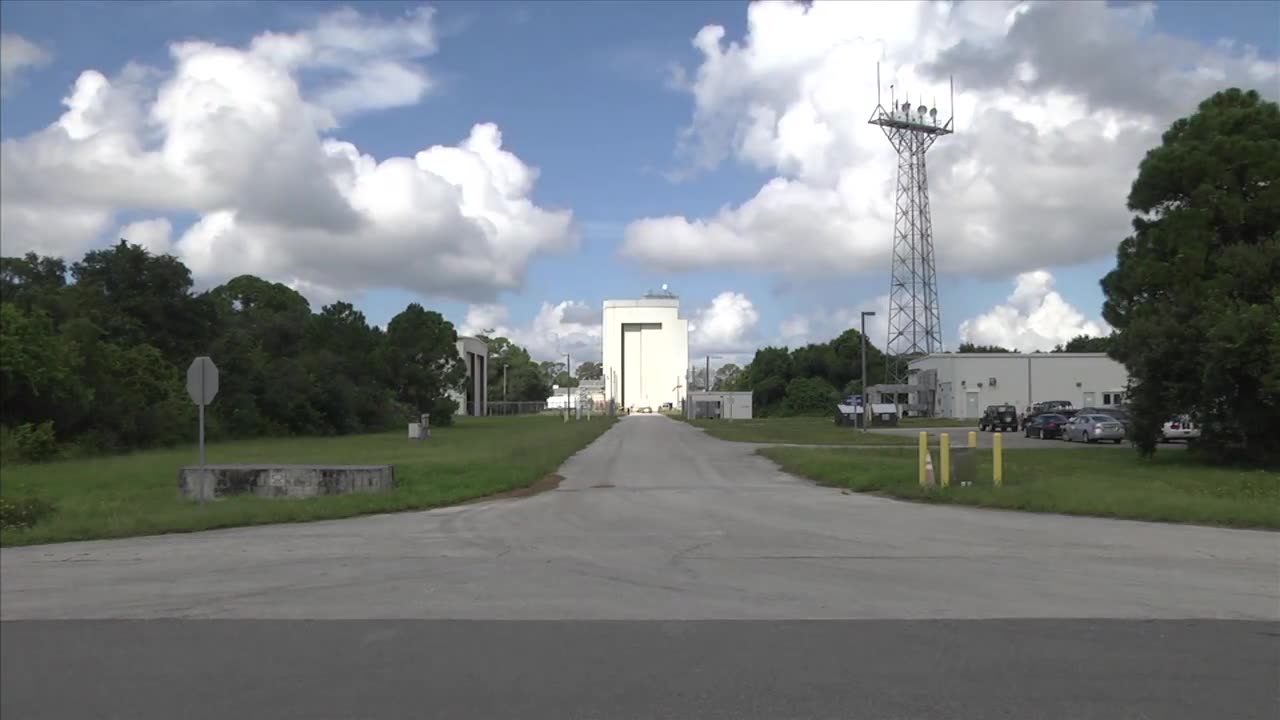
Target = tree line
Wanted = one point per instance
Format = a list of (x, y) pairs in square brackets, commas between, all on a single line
[(95, 354)]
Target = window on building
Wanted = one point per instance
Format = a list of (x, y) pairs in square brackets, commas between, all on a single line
[(1112, 398)]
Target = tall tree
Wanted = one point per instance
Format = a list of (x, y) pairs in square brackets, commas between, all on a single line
[(726, 376), (1194, 293), (423, 360), (1085, 344), (590, 371), (972, 348)]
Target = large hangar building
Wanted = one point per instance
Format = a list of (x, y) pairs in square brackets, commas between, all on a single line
[(646, 351)]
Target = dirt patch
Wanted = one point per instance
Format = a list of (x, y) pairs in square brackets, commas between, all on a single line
[(548, 482)]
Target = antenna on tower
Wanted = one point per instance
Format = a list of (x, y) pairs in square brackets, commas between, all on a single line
[(915, 324)]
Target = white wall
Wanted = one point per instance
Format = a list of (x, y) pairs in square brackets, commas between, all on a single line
[(1022, 379), (656, 348)]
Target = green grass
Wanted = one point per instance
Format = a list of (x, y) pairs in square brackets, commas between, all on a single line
[(802, 430), (1171, 487), (137, 494), (939, 422)]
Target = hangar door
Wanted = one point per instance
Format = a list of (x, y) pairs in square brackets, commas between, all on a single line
[(635, 359)]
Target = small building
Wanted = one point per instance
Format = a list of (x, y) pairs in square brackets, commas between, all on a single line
[(472, 399), (718, 405), (968, 382), (882, 415)]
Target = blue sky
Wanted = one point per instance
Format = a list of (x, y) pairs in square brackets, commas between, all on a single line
[(581, 91)]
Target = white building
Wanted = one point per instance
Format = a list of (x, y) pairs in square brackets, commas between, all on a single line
[(718, 404), (473, 399), (969, 382), (646, 351)]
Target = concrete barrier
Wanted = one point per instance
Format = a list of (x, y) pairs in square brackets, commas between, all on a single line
[(282, 481)]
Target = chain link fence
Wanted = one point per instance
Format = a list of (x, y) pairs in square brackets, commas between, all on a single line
[(516, 407)]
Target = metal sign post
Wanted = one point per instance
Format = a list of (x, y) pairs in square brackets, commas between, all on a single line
[(202, 386)]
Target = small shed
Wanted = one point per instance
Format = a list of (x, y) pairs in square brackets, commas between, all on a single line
[(718, 405), (882, 415)]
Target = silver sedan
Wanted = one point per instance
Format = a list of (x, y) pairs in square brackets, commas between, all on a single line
[(1093, 428)]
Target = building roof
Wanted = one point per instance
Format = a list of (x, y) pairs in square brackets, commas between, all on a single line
[(1000, 356), (663, 302)]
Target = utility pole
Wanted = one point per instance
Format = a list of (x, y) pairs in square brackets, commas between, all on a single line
[(706, 379), (504, 382), (866, 396), (567, 365)]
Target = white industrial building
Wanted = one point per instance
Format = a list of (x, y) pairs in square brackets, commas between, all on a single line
[(718, 404), (968, 382), (646, 351), (473, 398)]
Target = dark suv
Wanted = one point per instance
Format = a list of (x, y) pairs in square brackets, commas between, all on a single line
[(999, 417)]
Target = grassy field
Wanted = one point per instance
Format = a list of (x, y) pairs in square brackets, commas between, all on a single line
[(802, 430), (137, 494), (939, 422), (1170, 487)]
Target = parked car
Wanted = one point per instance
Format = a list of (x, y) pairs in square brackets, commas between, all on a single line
[(999, 417), (1046, 425), (1179, 427), (1118, 413), (1055, 407), (1094, 428)]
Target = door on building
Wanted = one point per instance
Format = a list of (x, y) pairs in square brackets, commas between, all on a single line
[(971, 405), (1090, 399)]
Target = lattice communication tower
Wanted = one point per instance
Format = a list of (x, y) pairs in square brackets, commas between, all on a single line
[(915, 325)]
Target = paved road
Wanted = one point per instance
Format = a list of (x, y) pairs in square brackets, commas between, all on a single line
[(656, 522)]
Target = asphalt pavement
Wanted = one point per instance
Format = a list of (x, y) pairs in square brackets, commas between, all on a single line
[(623, 594)]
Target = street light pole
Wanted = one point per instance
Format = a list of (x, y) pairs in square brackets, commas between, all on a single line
[(866, 396)]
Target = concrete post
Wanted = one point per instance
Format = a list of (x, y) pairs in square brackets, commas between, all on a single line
[(997, 459), (922, 456), (945, 459)]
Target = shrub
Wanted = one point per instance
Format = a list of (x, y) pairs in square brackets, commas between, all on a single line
[(442, 411), (22, 513), (34, 443)]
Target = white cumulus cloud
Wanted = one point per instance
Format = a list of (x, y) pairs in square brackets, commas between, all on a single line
[(725, 327), (1056, 103), (1035, 317), (16, 55), (154, 234), (568, 326), (249, 140)]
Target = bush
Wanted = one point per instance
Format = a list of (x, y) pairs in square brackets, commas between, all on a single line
[(34, 443), (22, 513), (809, 396), (442, 411)]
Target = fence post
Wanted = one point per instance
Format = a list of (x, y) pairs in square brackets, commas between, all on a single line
[(945, 460), (997, 459), (923, 455), (973, 439)]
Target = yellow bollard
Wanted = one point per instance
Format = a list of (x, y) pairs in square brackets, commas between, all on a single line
[(945, 445), (973, 439), (923, 455), (997, 458)]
